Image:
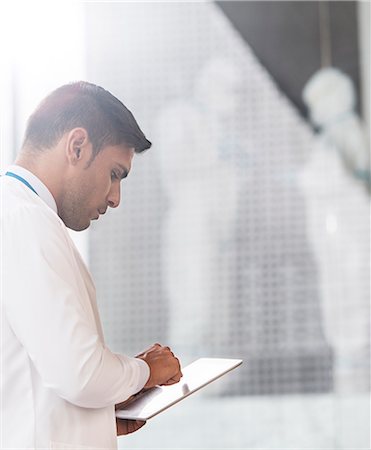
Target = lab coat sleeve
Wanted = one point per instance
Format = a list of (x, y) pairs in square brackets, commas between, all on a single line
[(47, 311)]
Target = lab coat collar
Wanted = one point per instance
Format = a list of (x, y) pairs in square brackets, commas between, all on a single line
[(36, 183)]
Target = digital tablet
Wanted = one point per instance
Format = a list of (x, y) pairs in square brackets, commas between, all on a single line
[(147, 404)]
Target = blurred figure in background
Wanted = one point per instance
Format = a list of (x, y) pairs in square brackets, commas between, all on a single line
[(202, 191), (338, 223)]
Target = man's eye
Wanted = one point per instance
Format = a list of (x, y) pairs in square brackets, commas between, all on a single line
[(114, 175)]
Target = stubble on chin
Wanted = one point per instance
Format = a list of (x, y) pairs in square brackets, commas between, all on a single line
[(72, 213)]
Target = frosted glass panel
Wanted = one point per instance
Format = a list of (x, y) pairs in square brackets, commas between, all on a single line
[(214, 250)]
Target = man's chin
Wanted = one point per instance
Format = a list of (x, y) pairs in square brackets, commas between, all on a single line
[(80, 228), (77, 227)]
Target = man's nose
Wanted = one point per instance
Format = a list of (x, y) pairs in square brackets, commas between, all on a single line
[(113, 199)]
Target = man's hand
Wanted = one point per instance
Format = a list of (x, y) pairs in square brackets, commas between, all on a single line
[(125, 426), (164, 366)]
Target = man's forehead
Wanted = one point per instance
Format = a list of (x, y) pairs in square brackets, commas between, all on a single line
[(121, 153), (126, 148)]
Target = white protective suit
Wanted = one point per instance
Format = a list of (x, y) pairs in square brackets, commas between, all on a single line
[(59, 380)]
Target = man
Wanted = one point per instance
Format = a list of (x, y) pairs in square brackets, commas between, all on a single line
[(60, 382)]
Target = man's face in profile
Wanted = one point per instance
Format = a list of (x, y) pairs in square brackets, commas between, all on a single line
[(95, 187)]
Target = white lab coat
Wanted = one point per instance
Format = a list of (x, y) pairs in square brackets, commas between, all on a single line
[(59, 380)]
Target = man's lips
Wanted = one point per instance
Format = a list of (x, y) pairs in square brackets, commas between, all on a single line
[(99, 213)]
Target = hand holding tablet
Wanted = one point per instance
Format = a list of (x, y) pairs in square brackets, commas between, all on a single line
[(148, 403)]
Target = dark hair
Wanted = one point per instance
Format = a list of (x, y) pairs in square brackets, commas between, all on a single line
[(83, 104)]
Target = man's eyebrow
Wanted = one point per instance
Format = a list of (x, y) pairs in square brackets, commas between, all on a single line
[(125, 171)]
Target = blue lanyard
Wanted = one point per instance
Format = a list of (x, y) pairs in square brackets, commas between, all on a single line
[(22, 180)]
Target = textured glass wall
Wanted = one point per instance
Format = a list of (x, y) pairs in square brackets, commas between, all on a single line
[(229, 239)]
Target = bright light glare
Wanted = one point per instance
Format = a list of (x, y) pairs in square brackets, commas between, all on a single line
[(43, 48), (331, 223)]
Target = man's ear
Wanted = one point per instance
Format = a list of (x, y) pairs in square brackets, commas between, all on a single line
[(78, 146)]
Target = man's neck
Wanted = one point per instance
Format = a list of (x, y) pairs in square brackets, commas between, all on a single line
[(41, 168)]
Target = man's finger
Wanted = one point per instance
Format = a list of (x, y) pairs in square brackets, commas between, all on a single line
[(153, 347), (170, 382), (140, 423), (174, 379)]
